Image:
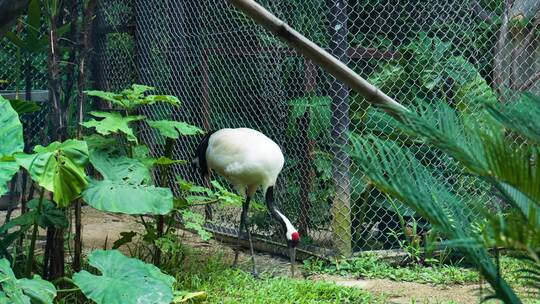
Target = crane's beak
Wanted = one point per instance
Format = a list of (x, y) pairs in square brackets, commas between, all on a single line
[(292, 255)]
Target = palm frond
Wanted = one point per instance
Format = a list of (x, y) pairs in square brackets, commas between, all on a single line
[(440, 126), (528, 208), (522, 117), (395, 171), (480, 147), (512, 164)]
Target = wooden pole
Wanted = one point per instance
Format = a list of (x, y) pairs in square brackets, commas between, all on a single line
[(341, 206), (317, 54)]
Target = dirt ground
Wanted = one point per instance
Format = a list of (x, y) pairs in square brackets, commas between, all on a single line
[(101, 230), (99, 227)]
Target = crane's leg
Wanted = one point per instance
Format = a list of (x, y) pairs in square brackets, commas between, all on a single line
[(245, 227)]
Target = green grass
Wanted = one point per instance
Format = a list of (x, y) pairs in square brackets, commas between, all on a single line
[(369, 266), (226, 285), (512, 270)]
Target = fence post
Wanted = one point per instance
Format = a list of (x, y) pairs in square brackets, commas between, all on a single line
[(341, 207)]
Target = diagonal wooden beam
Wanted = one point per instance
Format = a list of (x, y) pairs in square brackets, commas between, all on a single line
[(317, 54)]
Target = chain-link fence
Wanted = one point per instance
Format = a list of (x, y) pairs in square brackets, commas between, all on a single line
[(23, 75), (229, 72)]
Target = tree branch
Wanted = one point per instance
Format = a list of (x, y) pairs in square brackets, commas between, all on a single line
[(481, 13), (530, 82)]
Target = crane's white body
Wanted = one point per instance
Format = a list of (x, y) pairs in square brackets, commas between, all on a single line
[(246, 158)]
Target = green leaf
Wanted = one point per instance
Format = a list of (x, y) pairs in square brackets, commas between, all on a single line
[(39, 290), (24, 291), (23, 106), (173, 129), (24, 220), (15, 40), (195, 221), (11, 141), (59, 168), (173, 100), (119, 196), (62, 30), (165, 161), (121, 168), (522, 117), (525, 205), (318, 110), (11, 133), (112, 123), (124, 280), (137, 91), (180, 203), (34, 20), (7, 170), (50, 215), (116, 99), (188, 297), (134, 96), (140, 152), (126, 237)]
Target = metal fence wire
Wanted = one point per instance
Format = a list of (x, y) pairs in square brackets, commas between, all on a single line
[(229, 72), (25, 70)]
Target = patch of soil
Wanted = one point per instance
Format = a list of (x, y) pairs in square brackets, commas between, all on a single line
[(98, 226), (100, 230)]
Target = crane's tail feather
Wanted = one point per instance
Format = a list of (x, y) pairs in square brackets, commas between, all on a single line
[(199, 159)]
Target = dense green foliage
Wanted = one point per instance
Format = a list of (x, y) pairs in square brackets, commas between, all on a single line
[(23, 291), (483, 146), (126, 185)]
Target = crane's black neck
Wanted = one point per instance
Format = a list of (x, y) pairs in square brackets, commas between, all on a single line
[(200, 154), (269, 197)]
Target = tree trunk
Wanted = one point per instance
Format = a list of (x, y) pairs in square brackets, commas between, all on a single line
[(500, 56), (86, 42), (57, 253), (55, 237), (54, 91), (163, 182)]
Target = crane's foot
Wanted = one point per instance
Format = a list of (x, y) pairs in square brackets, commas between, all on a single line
[(235, 261), (255, 274)]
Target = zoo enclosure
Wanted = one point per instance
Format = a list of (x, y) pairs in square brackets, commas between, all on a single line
[(229, 72)]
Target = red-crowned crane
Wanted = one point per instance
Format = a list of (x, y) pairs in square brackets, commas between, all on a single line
[(247, 159)]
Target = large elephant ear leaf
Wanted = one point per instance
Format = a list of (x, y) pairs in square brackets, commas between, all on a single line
[(120, 168), (113, 123), (173, 129), (11, 141), (24, 291), (120, 196), (124, 280), (58, 168)]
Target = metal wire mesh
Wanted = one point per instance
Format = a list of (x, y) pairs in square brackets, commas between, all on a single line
[(229, 72), (24, 70)]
